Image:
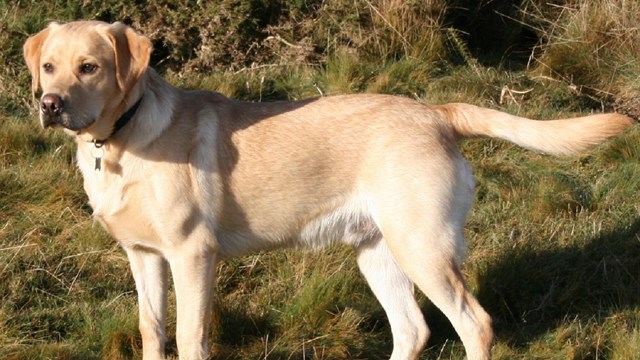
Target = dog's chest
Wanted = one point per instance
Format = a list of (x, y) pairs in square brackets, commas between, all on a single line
[(119, 208), (119, 205)]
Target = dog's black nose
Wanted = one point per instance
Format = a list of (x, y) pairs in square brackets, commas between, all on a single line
[(51, 105)]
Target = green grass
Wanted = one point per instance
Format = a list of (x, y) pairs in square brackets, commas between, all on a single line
[(554, 244)]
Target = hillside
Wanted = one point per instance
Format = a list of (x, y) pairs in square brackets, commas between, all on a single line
[(554, 243)]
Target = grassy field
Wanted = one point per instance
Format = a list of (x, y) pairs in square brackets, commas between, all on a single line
[(554, 243)]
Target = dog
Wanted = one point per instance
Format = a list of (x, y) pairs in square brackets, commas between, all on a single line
[(183, 179)]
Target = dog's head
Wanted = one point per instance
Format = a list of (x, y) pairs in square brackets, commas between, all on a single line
[(85, 69)]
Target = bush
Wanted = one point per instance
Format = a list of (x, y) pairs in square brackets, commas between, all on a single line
[(594, 47)]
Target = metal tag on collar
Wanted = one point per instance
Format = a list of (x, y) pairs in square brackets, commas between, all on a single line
[(97, 152)]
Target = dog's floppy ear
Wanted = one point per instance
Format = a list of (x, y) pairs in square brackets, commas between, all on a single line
[(132, 53), (31, 51)]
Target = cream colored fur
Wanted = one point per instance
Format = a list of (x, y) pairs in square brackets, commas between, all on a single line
[(195, 177)]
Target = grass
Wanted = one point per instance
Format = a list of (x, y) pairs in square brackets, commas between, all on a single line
[(554, 244)]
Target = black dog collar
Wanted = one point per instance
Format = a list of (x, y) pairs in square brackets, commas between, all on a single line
[(98, 152)]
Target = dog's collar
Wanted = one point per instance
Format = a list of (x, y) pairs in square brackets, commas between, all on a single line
[(98, 152), (120, 123)]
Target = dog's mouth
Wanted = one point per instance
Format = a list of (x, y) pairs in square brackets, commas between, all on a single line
[(65, 120)]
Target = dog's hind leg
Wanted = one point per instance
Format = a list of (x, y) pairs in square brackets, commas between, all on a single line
[(395, 293), (437, 275), (421, 217), (446, 289)]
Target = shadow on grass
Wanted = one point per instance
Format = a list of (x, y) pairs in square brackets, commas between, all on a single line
[(531, 291), (237, 328), (242, 335)]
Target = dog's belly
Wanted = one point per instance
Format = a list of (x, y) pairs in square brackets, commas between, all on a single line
[(350, 224)]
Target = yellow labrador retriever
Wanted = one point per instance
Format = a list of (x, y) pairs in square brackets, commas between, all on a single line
[(183, 179)]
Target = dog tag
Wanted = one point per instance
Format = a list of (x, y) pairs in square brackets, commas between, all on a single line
[(97, 152)]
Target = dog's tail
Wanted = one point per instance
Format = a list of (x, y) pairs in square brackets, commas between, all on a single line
[(556, 137)]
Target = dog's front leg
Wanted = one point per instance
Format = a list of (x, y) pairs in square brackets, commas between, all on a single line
[(193, 273), (150, 274)]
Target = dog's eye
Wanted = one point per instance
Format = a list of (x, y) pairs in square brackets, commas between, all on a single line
[(48, 68), (86, 69)]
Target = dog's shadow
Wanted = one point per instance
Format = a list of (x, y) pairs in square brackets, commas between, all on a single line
[(531, 291)]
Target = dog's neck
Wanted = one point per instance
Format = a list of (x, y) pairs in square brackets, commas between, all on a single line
[(120, 123), (138, 126)]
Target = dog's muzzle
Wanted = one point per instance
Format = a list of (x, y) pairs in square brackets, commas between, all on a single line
[(53, 112)]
